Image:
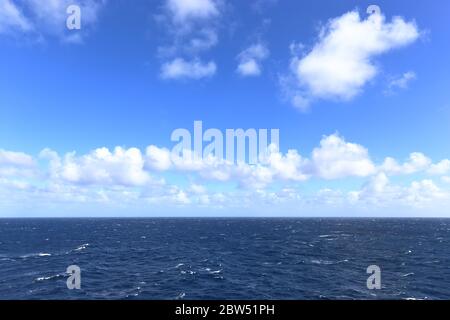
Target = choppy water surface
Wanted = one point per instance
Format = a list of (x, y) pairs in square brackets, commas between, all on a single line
[(224, 258)]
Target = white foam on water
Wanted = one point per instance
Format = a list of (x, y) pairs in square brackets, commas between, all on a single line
[(44, 254), (82, 247), (408, 274)]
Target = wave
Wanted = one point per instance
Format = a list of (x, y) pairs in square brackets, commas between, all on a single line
[(327, 262), (35, 255), (53, 277), (216, 272), (188, 272), (408, 274), (82, 247)]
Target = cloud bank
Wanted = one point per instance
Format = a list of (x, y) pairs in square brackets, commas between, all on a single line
[(128, 177)]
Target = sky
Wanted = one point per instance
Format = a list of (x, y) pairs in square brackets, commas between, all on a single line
[(357, 89)]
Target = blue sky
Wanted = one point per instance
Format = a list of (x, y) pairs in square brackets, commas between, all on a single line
[(360, 99)]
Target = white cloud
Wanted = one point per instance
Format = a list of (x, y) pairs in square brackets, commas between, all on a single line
[(192, 28), (336, 158), (126, 177), (170, 196), (158, 158), (250, 60), (380, 192), (19, 159), (12, 18), (181, 197), (189, 9), (249, 68), (341, 63), (182, 69), (274, 166), (286, 167), (123, 167), (291, 93), (417, 162), (327, 197), (300, 102), (14, 184), (401, 82), (197, 189), (204, 39), (16, 165), (377, 186), (440, 168), (424, 191)]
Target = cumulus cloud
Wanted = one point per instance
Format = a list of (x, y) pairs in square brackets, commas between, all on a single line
[(290, 166), (158, 159), (126, 176), (274, 166), (250, 60), (377, 187), (336, 158), (341, 63), (440, 168), (101, 167), (182, 69), (424, 191), (417, 162), (379, 191)]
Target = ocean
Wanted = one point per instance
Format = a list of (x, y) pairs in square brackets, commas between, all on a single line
[(224, 258)]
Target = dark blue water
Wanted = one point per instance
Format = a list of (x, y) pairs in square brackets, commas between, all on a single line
[(224, 258)]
